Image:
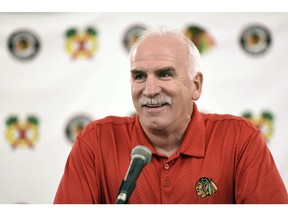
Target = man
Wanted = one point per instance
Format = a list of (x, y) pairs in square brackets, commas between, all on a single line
[(196, 157)]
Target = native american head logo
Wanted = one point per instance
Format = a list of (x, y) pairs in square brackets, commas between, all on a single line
[(81, 44), (205, 187), (22, 133), (202, 40), (264, 123)]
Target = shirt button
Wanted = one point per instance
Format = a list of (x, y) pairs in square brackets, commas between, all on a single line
[(166, 166), (166, 183)]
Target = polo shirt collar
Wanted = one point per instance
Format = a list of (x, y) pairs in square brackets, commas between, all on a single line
[(193, 143)]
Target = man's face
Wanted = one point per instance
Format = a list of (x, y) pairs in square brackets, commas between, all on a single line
[(162, 91)]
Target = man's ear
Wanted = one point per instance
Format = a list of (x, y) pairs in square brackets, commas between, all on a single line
[(197, 90)]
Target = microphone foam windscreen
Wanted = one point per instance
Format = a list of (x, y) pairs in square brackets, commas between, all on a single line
[(143, 152)]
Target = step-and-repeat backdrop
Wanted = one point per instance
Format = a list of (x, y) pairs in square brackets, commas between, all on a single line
[(59, 71)]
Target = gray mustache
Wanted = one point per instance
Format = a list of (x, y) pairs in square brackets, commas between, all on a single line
[(157, 100)]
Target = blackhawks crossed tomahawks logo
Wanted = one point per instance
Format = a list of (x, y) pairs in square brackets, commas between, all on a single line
[(81, 45), (22, 133), (264, 123)]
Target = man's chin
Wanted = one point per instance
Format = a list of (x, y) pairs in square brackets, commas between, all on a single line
[(154, 124)]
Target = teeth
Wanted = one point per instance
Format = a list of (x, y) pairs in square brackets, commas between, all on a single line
[(153, 105), (156, 101)]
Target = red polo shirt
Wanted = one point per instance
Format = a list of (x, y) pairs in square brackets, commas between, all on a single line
[(222, 159)]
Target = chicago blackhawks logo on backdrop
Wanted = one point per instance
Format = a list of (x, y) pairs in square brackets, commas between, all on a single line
[(255, 39), (264, 122), (205, 187), (22, 133), (81, 44), (23, 44), (75, 126), (132, 35), (202, 40)]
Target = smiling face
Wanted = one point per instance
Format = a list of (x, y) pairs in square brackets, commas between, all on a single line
[(162, 90)]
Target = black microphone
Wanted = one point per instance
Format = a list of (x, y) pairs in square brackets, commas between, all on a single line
[(140, 156)]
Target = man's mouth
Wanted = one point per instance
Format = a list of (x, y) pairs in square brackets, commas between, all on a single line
[(155, 102), (154, 105)]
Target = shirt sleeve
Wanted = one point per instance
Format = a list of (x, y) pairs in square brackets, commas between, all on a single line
[(257, 179), (78, 184)]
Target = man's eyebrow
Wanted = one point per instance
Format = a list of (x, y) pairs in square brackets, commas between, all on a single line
[(165, 69), (135, 71)]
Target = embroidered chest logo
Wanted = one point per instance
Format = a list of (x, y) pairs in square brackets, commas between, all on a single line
[(205, 187)]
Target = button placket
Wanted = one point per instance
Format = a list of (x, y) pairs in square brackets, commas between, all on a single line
[(166, 182)]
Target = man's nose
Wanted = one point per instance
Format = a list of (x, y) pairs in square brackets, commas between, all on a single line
[(152, 87)]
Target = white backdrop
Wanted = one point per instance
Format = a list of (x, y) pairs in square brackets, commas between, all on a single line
[(54, 87)]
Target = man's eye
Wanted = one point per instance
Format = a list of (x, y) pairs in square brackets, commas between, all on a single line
[(164, 75), (138, 77)]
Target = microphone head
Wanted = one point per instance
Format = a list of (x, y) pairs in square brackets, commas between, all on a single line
[(142, 152)]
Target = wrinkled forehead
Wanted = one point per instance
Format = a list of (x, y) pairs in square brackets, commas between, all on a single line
[(159, 48), (151, 57)]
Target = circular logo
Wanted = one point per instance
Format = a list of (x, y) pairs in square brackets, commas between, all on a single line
[(75, 126), (202, 40), (255, 40), (24, 45), (132, 35)]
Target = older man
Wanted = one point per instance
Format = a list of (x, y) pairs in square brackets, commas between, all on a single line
[(196, 157)]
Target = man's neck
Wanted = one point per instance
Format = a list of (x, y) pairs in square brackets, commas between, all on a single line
[(166, 142)]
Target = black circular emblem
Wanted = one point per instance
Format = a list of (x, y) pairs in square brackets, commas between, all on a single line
[(23, 44), (255, 40), (132, 35), (75, 126)]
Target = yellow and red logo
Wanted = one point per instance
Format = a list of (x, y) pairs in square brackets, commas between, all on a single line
[(22, 133), (81, 45), (264, 123)]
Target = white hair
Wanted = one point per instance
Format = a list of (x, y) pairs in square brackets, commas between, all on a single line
[(194, 58)]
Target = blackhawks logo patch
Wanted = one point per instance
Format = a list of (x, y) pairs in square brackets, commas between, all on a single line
[(81, 44), (205, 187), (22, 133), (202, 40)]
